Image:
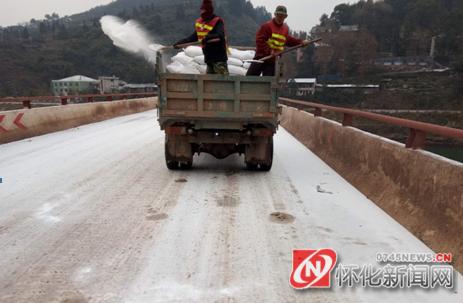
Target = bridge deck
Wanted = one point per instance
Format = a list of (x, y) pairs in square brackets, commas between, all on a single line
[(93, 214)]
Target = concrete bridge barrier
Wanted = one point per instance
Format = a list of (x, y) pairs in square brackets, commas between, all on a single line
[(21, 124), (422, 191)]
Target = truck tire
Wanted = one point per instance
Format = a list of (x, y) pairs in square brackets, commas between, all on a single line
[(170, 161), (251, 166), (186, 165), (259, 156), (267, 166), (172, 165), (172, 147)]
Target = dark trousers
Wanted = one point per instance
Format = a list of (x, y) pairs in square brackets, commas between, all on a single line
[(266, 69)]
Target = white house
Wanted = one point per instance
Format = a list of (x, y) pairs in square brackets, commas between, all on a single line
[(303, 86), (74, 85)]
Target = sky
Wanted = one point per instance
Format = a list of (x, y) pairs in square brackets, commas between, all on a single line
[(303, 14), (16, 11)]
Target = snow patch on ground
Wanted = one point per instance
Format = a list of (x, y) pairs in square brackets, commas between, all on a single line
[(44, 213)]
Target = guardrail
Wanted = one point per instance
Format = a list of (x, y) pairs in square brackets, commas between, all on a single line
[(64, 100), (418, 130)]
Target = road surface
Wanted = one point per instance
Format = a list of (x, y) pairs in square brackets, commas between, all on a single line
[(91, 214)]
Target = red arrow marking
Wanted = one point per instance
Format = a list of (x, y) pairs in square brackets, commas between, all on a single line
[(2, 129), (17, 121)]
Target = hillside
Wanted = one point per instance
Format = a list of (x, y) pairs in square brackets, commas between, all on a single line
[(354, 36), (413, 48), (57, 47), (357, 34)]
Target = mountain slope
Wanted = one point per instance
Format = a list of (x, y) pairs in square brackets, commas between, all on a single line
[(59, 47)]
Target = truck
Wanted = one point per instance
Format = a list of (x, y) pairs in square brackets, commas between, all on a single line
[(217, 114)]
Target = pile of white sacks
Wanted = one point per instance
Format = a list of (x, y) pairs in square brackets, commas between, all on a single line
[(191, 61)]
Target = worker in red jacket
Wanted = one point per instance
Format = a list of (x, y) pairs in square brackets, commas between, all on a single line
[(271, 38)]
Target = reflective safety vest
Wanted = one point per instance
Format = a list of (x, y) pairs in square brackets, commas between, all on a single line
[(278, 39), (204, 27)]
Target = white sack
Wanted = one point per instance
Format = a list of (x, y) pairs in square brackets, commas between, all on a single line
[(237, 70), (175, 67), (246, 65), (202, 68), (231, 61), (182, 58), (199, 59), (235, 62), (178, 68), (242, 55), (190, 69), (193, 51)]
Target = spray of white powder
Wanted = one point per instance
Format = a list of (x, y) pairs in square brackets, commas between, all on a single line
[(131, 37)]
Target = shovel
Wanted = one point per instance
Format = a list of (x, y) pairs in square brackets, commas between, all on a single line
[(184, 45), (289, 49)]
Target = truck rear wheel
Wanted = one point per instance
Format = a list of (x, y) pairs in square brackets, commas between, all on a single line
[(251, 166), (259, 156), (178, 153), (186, 165), (265, 167), (267, 164), (172, 164)]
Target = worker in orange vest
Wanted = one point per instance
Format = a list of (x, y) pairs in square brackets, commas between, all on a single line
[(271, 38), (210, 27)]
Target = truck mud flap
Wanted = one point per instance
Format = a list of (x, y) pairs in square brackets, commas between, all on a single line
[(259, 155), (178, 152)]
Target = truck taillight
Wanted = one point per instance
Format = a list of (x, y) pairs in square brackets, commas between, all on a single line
[(176, 130)]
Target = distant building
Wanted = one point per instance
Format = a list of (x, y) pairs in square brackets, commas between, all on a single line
[(350, 88), (78, 85), (109, 85), (139, 88), (318, 30), (302, 86), (74, 85), (420, 61)]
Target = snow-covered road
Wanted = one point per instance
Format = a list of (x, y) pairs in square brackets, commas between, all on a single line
[(93, 215)]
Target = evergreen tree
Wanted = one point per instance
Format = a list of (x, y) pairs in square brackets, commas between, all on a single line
[(25, 34)]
